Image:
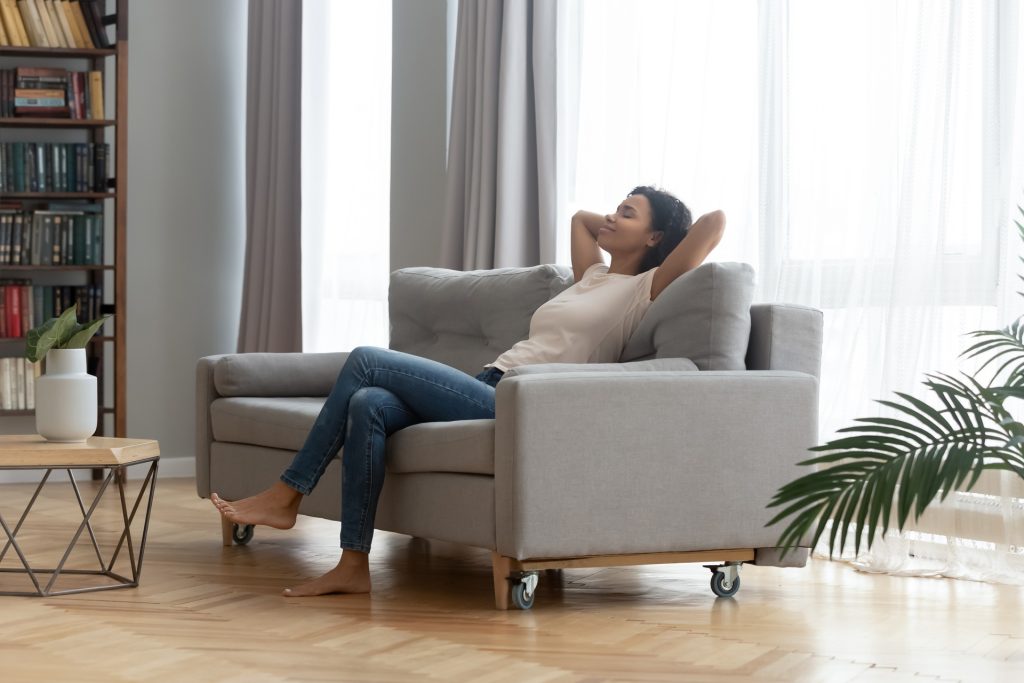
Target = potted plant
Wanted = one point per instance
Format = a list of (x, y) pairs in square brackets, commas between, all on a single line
[(886, 465), (66, 396)]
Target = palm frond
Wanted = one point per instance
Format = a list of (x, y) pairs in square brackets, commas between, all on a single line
[(880, 461)]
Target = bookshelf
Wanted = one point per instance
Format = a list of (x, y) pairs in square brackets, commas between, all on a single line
[(109, 346)]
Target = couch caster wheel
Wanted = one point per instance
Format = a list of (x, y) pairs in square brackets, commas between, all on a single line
[(241, 535), (720, 586), (725, 579), (524, 590)]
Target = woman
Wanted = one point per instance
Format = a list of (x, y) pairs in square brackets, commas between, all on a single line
[(380, 391)]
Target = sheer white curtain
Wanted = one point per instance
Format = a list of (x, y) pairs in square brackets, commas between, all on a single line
[(868, 156), (346, 167)]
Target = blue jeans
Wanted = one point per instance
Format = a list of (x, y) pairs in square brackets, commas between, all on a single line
[(378, 392)]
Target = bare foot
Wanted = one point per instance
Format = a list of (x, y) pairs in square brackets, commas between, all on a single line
[(352, 575), (276, 507)]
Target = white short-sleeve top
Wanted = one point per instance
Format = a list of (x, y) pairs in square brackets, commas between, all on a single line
[(590, 322)]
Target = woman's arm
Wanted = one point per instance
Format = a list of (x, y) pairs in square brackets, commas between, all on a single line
[(703, 236), (585, 251)]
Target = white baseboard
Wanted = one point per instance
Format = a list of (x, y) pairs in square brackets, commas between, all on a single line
[(170, 468)]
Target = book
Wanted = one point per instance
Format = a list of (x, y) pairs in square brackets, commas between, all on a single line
[(96, 94), (4, 40), (70, 13), (61, 11), (28, 103), (13, 19), (13, 311), (38, 92), (58, 30), (79, 18), (30, 17), (5, 384), (44, 18), (94, 18)]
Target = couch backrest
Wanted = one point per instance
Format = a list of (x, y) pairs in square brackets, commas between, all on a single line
[(467, 319)]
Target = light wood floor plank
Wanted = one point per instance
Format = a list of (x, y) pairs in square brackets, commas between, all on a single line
[(208, 612)]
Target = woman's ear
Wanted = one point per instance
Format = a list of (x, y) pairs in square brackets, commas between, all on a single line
[(655, 238)]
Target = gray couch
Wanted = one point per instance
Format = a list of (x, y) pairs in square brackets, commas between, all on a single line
[(668, 456)]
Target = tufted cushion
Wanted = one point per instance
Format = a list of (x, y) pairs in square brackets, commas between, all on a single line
[(704, 316), (466, 319)]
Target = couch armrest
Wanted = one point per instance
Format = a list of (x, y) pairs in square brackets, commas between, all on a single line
[(653, 365), (607, 463), (206, 393), (255, 374), (277, 374)]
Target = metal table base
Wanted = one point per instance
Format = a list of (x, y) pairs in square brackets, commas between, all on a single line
[(117, 474)]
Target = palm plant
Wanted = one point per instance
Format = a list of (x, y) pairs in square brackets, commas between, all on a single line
[(908, 460)]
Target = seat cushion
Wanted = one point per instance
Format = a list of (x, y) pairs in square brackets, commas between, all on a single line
[(274, 422), (464, 446)]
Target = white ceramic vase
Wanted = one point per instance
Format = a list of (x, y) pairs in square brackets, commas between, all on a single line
[(66, 400)]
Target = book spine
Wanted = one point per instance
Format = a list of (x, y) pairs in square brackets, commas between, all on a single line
[(5, 389), (44, 19), (19, 23), (103, 167), (31, 373), (79, 41), (58, 30), (96, 94), (4, 40), (62, 17), (19, 389), (76, 11), (94, 14), (6, 226), (3, 312), (36, 37)]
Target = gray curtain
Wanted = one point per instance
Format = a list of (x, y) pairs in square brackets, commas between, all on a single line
[(500, 189), (271, 293)]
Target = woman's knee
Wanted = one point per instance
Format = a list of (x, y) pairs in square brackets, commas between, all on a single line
[(368, 401)]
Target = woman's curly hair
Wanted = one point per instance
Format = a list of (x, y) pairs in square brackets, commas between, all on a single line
[(668, 215)]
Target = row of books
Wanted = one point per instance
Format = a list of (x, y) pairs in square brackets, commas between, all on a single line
[(17, 383), (62, 237), (53, 23), (51, 92), (24, 306), (54, 167)]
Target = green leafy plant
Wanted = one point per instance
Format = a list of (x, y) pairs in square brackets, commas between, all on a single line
[(63, 332), (886, 464)]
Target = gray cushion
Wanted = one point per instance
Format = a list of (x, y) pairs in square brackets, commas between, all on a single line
[(704, 316), (468, 319), (652, 365), (265, 421), (464, 446), (785, 337), (277, 374)]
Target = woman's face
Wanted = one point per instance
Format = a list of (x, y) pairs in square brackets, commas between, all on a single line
[(629, 227)]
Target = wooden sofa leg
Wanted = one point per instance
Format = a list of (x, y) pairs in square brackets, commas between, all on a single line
[(225, 531), (501, 567)]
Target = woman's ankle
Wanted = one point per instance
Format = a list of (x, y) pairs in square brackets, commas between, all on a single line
[(286, 493)]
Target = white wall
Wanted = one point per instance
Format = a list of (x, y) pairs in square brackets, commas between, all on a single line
[(418, 131), (186, 205)]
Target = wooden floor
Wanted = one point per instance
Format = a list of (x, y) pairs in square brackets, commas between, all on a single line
[(205, 612)]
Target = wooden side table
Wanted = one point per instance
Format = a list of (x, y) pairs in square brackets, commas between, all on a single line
[(32, 452)]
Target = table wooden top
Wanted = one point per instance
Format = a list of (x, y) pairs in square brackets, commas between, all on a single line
[(32, 450)]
